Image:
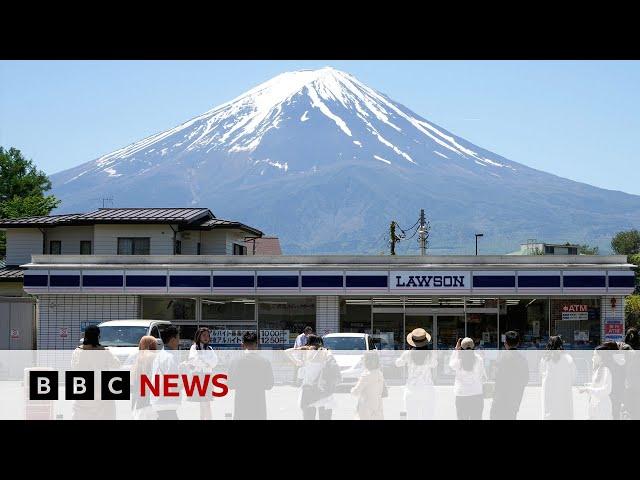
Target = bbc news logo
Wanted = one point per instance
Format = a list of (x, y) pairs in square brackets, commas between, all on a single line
[(116, 385)]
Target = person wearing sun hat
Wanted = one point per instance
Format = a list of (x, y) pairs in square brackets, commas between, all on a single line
[(470, 374), (419, 392)]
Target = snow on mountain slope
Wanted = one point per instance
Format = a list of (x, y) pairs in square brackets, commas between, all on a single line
[(365, 117), (300, 134)]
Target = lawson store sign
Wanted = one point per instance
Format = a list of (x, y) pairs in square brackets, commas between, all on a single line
[(315, 281), (407, 281)]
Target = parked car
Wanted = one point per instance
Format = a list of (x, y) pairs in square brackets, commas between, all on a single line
[(122, 337), (346, 348)]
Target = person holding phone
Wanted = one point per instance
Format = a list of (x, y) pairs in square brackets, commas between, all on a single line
[(470, 375)]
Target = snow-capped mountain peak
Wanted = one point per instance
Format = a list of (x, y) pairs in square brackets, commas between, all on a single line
[(371, 125)]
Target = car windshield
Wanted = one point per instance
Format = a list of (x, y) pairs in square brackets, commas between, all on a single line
[(344, 343), (121, 336)]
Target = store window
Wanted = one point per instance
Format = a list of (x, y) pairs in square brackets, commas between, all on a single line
[(281, 320), (419, 313), (163, 308), (355, 315), (527, 316), (388, 323), (482, 322), (228, 319), (577, 321)]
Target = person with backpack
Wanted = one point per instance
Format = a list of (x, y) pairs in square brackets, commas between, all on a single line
[(320, 376)]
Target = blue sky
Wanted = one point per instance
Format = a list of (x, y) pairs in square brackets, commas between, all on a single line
[(576, 119)]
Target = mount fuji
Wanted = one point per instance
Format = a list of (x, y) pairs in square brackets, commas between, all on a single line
[(326, 162)]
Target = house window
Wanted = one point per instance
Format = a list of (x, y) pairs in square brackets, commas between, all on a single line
[(85, 247), (178, 247), (133, 246), (55, 247), (239, 249)]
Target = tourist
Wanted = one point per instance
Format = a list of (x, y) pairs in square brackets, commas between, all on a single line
[(143, 365), (93, 357), (370, 389), (599, 389), (250, 376), (419, 393), (470, 375), (512, 376), (167, 362), (558, 374), (202, 360)]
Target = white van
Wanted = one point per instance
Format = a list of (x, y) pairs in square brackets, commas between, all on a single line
[(346, 348), (123, 336)]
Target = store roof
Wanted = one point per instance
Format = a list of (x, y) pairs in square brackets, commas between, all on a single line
[(11, 274)]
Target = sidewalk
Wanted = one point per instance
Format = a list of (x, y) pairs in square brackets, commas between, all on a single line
[(282, 403)]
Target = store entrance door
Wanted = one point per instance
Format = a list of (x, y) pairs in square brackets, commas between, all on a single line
[(448, 329)]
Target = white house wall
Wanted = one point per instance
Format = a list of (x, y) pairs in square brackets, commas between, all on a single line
[(214, 242), (70, 238), (189, 240), (21, 244), (106, 238)]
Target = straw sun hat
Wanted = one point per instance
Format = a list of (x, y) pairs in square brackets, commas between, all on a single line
[(418, 338)]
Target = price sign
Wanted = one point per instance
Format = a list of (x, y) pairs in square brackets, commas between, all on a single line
[(274, 337)]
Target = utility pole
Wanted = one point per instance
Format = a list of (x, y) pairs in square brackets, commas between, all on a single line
[(422, 231), (393, 237), (478, 235)]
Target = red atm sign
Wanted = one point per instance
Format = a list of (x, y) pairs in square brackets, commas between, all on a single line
[(575, 308)]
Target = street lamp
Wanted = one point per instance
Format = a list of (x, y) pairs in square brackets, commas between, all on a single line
[(478, 235)]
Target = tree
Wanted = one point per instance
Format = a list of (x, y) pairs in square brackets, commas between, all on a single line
[(635, 259), (626, 242), (585, 249), (22, 189), (632, 310)]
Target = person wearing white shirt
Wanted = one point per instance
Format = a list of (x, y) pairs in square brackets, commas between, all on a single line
[(202, 360), (558, 374), (419, 392), (470, 375), (301, 340), (599, 389), (167, 362)]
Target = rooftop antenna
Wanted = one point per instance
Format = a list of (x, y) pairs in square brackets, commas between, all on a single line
[(107, 201)]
